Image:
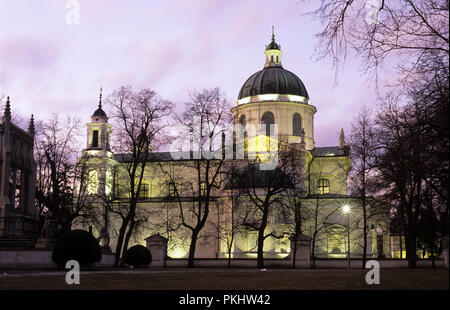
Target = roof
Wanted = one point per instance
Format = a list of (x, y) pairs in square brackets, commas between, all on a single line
[(99, 112), (158, 157), (273, 80), (326, 151), (152, 157), (251, 176), (273, 46)]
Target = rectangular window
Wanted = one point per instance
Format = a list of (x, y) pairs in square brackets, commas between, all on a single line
[(116, 188), (92, 182), (144, 190), (95, 138), (203, 189), (323, 186), (172, 190), (17, 188), (252, 242)]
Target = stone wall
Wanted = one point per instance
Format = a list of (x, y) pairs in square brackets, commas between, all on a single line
[(39, 259)]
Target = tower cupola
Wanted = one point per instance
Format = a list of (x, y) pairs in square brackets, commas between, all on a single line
[(99, 130), (273, 53)]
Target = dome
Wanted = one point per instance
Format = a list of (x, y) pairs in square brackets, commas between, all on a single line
[(272, 46), (273, 80), (99, 112)]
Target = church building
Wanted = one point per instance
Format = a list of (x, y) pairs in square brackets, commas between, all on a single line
[(272, 95)]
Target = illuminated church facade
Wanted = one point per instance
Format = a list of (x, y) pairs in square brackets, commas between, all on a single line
[(272, 95)]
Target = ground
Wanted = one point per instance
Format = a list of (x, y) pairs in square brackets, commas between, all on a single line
[(227, 279)]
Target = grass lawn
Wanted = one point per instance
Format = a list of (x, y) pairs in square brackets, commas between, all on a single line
[(228, 279)]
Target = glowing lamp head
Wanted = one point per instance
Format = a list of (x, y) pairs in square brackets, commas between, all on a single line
[(346, 209)]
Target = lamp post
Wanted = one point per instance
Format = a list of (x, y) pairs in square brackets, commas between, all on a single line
[(346, 210)]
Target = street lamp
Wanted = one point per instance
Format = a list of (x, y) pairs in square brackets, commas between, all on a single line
[(346, 210)]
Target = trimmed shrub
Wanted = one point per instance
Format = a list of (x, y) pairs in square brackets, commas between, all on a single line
[(138, 256), (77, 245)]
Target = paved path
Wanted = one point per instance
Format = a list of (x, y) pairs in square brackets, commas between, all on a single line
[(17, 274)]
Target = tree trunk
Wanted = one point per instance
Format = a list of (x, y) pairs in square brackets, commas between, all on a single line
[(294, 251), (433, 259), (261, 249), (192, 246), (128, 236), (411, 247), (229, 250), (364, 258), (401, 245), (261, 230), (313, 252), (120, 241)]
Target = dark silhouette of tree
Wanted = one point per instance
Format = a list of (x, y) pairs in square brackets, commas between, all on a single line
[(207, 115), (139, 119)]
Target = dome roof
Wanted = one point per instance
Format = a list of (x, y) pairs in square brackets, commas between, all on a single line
[(272, 46), (99, 112), (273, 80)]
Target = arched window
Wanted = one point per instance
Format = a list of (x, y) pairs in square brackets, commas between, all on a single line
[(243, 123), (267, 119), (277, 59), (271, 58), (296, 125), (323, 186), (95, 138)]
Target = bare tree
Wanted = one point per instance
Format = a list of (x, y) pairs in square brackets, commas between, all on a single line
[(206, 117), (364, 148), (56, 148), (230, 226), (401, 165), (139, 120), (416, 31), (264, 191), (293, 210)]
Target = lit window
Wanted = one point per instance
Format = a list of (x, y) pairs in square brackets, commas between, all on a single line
[(323, 186), (172, 189), (116, 189), (144, 190), (92, 182), (109, 181), (203, 189)]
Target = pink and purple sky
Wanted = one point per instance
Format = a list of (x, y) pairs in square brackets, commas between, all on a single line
[(173, 46)]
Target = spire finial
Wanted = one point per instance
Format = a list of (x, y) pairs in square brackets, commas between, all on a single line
[(7, 113), (100, 98), (341, 139), (31, 125), (273, 34)]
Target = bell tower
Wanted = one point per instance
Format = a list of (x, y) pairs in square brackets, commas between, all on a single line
[(97, 155), (99, 133)]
